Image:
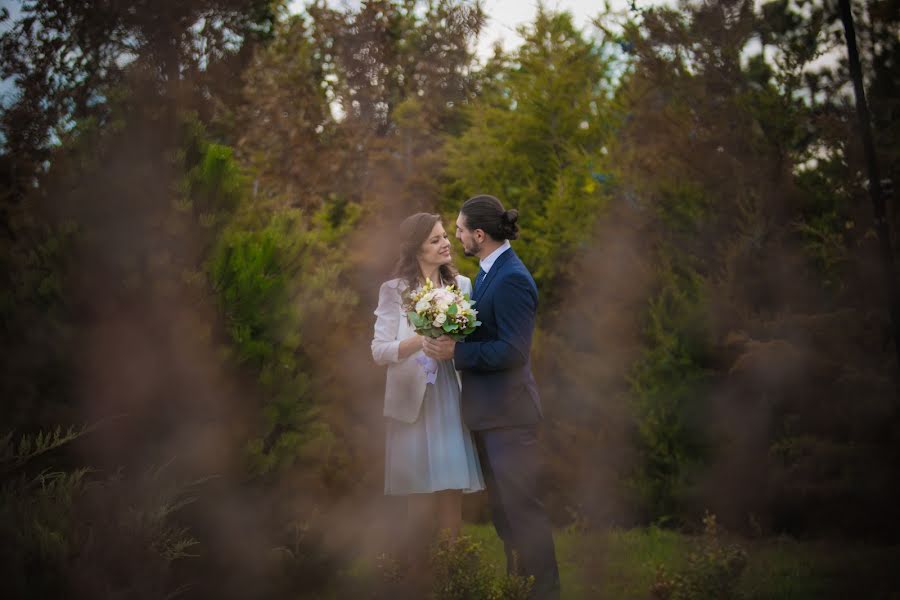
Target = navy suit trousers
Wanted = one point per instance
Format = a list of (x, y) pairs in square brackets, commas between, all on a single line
[(510, 461)]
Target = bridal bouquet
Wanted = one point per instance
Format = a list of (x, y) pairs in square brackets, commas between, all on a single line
[(434, 312)]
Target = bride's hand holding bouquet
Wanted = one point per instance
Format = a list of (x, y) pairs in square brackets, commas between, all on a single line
[(438, 311)]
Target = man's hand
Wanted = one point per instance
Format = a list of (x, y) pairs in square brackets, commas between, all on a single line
[(439, 348)]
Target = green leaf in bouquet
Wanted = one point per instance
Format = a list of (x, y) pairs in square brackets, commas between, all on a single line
[(448, 327), (415, 319), (452, 310)]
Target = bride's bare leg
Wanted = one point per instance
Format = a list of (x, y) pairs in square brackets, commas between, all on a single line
[(449, 512), (420, 512)]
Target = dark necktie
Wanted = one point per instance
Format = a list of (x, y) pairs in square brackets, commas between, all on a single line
[(479, 278)]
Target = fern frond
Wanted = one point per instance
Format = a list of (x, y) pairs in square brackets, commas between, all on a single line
[(29, 446)]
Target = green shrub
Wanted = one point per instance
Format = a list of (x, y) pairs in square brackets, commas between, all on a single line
[(712, 572), (668, 385), (461, 572), (277, 275), (82, 533)]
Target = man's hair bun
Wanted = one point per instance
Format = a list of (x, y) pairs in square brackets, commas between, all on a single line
[(508, 224), (487, 213), (511, 216)]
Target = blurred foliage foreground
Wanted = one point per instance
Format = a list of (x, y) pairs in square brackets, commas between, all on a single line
[(198, 204)]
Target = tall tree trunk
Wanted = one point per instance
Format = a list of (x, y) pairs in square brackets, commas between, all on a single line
[(881, 225)]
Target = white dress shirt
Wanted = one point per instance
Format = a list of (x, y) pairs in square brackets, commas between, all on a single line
[(488, 261)]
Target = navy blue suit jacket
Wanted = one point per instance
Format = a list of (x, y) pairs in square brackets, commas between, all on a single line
[(498, 388)]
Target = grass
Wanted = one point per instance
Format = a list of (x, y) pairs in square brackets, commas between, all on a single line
[(621, 565)]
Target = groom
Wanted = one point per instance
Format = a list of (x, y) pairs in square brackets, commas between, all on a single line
[(500, 401)]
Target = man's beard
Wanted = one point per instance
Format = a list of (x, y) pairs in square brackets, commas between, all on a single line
[(473, 251)]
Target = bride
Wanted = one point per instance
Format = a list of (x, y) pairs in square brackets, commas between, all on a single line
[(429, 457)]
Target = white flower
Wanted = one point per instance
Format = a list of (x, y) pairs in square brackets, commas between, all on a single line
[(421, 306), (440, 319)]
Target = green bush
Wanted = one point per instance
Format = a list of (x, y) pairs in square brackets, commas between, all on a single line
[(668, 386), (277, 274), (81, 533), (712, 572), (461, 572)]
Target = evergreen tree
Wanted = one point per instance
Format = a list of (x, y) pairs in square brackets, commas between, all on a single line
[(536, 139), (741, 163)]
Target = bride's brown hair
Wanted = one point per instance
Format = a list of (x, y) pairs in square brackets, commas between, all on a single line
[(414, 230)]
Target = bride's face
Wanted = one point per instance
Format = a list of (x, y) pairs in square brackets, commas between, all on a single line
[(435, 250)]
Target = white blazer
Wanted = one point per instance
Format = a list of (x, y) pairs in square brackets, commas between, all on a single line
[(405, 386)]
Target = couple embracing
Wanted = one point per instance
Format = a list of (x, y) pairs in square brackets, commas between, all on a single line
[(473, 424)]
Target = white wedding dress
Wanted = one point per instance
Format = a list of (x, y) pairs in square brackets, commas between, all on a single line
[(435, 452)]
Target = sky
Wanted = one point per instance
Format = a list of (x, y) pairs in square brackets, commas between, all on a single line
[(504, 16)]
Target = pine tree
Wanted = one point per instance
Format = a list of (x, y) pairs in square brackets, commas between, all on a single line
[(536, 139)]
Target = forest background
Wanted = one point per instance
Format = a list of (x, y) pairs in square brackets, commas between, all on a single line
[(200, 200)]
